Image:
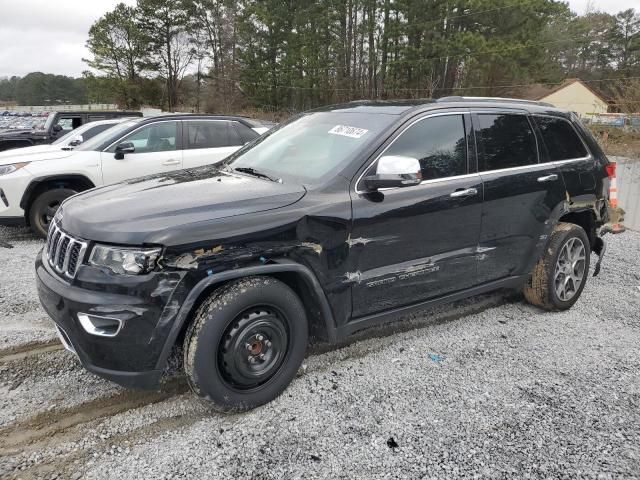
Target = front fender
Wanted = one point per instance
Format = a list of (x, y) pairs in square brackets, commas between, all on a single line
[(277, 267)]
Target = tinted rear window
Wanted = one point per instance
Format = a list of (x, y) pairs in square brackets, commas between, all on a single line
[(211, 134), (505, 141), (561, 139), (93, 131), (246, 134)]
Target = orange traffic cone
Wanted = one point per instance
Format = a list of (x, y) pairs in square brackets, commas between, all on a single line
[(613, 198)]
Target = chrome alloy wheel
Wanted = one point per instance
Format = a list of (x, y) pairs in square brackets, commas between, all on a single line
[(570, 269)]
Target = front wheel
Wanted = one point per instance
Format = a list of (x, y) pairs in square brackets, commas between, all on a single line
[(246, 343), (559, 277), (44, 208)]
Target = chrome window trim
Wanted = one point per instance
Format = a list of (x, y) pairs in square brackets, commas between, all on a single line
[(105, 150), (535, 165), (461, 113)]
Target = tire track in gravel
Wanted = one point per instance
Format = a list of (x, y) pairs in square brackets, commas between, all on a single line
[(65, 464), (26, 350), (47, 428)]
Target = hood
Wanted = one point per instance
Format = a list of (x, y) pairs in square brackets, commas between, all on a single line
[(149, 209), (31, 154), (13, 132)]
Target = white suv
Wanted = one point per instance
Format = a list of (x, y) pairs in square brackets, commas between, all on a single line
[(33, 186), (66, 142)]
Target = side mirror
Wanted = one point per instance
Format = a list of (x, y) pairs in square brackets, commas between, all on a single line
[(395, 171), (57, 128), (77, 140), (122, 148)]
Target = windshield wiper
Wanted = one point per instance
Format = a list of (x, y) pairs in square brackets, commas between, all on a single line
[(255, 173)]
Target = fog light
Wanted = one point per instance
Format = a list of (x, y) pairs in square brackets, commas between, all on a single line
[(100, 326)]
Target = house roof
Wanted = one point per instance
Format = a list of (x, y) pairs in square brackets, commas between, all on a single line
[(541, 91)]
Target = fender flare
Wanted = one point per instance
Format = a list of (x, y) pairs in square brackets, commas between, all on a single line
[(560, 210), (33, 185), (281, 266)]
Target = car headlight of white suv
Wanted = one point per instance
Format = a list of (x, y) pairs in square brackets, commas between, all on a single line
[(6, 169)]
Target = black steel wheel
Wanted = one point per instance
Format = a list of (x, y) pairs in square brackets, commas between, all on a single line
[(253, 347), (246, 343)]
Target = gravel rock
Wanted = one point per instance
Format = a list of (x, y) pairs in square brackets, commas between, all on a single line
[(487, 387)]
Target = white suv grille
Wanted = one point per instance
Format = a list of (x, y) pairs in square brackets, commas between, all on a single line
[(64, 252)]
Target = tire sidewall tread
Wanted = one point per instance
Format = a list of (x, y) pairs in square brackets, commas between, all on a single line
[(41, 200), (539, 289), (211, 321)]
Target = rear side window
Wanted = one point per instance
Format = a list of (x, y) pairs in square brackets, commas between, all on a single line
[(246, 134), (561, 139), (93, 131), (211, 134), (439, 143), (505, 141)]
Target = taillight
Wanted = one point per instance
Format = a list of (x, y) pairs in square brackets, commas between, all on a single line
[(610, 169)]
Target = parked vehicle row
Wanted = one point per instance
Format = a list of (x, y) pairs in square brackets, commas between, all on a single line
[(343, 218), (27, 131), (23, 121), (33, 183)]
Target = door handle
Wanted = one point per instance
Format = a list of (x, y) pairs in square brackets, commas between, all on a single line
[(171, 162), (549, 178), (468, 192)]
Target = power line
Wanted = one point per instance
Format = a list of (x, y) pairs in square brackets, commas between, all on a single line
[(417, 90)]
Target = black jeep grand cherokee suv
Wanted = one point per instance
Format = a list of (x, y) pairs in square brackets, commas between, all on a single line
[(336, 221)]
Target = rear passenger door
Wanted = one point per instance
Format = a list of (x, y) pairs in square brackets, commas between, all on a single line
[(563, 146), (209, 141), (519, 193)]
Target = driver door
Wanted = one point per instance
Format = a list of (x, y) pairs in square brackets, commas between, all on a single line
[(157, 149), (418, 242)]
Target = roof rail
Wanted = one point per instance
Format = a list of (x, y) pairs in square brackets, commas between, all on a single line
[(493, 99)]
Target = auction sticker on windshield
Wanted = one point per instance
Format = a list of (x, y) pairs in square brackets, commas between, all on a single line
[(345, 131)]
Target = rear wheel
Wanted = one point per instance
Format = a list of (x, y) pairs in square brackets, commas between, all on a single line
[(246, 343), (560, 275), (44, 208)]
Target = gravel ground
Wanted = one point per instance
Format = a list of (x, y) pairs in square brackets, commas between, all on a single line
[(488, 387)]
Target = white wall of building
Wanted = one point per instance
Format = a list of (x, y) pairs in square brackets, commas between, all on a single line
[(577, 98)]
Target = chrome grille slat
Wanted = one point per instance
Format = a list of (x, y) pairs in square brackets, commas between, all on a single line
[(60, 248)]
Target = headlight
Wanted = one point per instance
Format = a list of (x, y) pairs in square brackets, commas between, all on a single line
[(6, 169), (125, 261)]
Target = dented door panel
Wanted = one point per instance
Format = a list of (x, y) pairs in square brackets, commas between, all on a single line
[(412, 244)]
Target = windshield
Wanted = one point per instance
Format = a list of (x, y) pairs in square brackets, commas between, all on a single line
[(309, 148), (108, 136)]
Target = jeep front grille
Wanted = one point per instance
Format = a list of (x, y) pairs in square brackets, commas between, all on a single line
[(63, 251)]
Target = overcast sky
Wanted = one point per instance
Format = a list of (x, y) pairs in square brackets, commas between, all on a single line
[(49, 35)]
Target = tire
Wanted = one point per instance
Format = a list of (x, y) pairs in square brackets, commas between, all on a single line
[(44, 207), (246, 343), (548, 286)]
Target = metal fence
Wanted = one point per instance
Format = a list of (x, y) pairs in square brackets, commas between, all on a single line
[(628, 176), (59, 108)]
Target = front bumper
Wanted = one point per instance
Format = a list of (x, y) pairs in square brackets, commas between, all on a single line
[(147, 306)]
